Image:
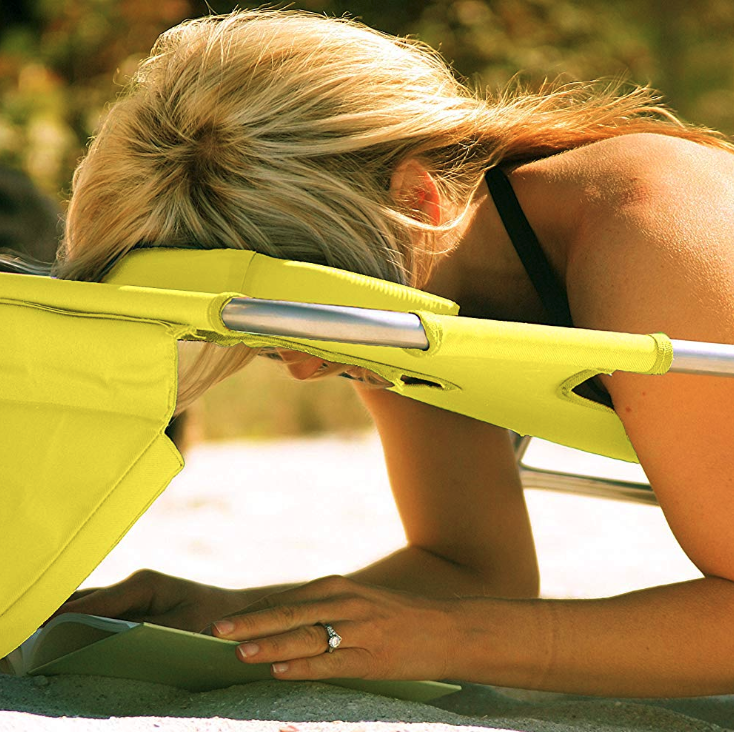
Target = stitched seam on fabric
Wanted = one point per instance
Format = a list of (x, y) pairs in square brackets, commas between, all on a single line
[(566, 391), (251, 273), (664, 358), (92, 410), (401, 295), (176, 329), (171, 398)]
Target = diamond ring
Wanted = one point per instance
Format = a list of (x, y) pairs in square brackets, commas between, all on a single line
[(334, 638)]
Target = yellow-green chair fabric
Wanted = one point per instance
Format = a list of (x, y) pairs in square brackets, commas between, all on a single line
[(513, 375), (89, 384), (84, 403)]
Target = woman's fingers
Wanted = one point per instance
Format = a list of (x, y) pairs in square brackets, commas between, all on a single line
[(106, 601), (350, 663), (282, 618), (303, 654), (289, 625), (79, 594), (385, 634), (303, 642), (324, 600), (130, 599)]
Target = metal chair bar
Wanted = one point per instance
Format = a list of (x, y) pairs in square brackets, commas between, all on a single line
[(405, 330), (325, 323), (692, 357), (597, 486), (618, 490)]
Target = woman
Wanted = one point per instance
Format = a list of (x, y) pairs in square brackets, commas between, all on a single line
[(318, 139)]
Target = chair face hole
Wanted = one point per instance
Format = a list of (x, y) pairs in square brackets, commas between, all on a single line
[(592, 390), (414, 381)]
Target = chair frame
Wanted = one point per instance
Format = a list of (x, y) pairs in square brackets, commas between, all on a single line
[(595, 486), (405, 330)]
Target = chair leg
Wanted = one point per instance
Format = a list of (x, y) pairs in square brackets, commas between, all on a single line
[(546, 479)]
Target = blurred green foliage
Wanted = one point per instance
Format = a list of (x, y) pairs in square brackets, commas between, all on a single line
[(63, 61)]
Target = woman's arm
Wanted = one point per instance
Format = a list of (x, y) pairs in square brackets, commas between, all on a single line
[(676, 640), (654, 254), (457, 489), (459, 495)]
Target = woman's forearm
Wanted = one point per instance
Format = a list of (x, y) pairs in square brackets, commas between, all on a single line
[(674, 640), (413, 569)]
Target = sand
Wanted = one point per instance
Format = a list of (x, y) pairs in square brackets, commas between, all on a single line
[(79, 703), (247, 513)]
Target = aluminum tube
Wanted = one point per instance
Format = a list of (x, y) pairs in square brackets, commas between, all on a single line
[(405, 330), (325, 323), (692, 357)]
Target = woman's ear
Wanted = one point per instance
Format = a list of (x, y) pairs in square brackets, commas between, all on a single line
[(412, 186)]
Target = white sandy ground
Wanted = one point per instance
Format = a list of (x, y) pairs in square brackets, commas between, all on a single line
[(245, 514)]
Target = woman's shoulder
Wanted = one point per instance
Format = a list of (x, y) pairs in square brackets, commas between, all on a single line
[(654, 227), (637, 144), (617, 188), (651, 181), (622, 208), (654, 254), (640, 167)]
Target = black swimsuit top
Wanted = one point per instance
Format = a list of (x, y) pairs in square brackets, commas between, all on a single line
[(528, 248), (536, 264)]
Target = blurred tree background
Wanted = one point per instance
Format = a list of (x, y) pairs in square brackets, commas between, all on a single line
[(63, 61)]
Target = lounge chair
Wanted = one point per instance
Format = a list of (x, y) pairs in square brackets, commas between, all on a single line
[(89, 385)]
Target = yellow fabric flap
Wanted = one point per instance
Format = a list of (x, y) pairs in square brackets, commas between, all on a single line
[(83, 409), (514, 375)]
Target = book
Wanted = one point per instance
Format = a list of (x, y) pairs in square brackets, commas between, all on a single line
[(91, 645)]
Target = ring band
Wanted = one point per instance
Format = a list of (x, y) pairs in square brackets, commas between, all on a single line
[(334, 638)]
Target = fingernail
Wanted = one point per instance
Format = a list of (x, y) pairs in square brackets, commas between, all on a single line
[(223, 627), (280, 668), (248, 649)]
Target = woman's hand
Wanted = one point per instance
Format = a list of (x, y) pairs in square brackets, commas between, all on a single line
[(385, 634), (157, 598)]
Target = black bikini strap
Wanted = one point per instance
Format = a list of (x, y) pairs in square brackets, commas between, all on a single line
[(528, 247)]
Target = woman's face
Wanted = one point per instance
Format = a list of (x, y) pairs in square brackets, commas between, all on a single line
[(303, 366)]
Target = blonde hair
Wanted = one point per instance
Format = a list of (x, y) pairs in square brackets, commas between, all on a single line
[(279, 130)]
